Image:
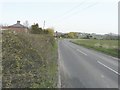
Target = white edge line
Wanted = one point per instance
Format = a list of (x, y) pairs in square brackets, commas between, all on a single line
[(81, 52), (59, 77), (108, 67), (116, 58)]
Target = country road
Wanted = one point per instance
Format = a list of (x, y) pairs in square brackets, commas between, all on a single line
[(84, 68)]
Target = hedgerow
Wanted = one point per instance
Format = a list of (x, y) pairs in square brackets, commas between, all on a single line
[(28, 60)]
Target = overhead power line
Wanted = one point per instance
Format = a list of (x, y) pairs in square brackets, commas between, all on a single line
[(75, 13), (90, 6), (72, 9)]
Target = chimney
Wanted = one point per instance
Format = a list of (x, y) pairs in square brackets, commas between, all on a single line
[(18, 22)]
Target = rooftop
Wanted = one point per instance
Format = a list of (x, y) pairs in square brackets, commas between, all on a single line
[(17, 25)]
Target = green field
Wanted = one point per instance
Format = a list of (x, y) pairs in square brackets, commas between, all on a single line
[(106, 46), (29, 60)]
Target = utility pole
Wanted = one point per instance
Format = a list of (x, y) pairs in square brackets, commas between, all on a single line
[(43, 24)]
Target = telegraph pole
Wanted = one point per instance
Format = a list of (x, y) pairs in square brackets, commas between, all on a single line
[(43, 24)]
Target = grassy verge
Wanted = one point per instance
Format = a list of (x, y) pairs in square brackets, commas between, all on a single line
[(106, 46), (29, 61)]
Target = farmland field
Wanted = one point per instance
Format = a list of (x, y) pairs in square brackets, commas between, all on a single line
[(28, 61), (106, 46)]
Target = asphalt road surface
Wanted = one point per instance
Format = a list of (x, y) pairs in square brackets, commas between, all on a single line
[(84, 68)]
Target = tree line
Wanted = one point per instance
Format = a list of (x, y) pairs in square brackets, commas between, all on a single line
[(75, 35), (35, 29)]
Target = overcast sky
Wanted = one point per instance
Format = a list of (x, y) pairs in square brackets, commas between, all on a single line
[(90, 16)]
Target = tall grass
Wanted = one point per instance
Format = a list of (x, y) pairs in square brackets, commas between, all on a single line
[(29, 60), (106, 46)]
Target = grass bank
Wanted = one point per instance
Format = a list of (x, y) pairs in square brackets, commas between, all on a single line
[(106, 46), (29, 61)]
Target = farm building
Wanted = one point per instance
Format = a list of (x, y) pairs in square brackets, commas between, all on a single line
[(16, 27)]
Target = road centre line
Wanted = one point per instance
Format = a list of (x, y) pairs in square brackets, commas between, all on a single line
[(108, 68), (81, 52)]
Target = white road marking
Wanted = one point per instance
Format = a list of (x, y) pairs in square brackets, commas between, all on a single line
[(81, 52), (59, 77), (108, 68), (115, 58)]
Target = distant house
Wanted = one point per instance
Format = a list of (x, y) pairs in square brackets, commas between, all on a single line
[(82, 35), (58, 34), (97, 36), (16, 27)]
